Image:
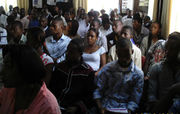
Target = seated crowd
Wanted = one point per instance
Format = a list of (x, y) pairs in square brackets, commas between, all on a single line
[(55, 62)]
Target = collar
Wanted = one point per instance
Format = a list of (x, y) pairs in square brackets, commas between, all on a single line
[(109, 29), (45, 28), (61, 39), (128, 69), (23, 39), (132, 41)]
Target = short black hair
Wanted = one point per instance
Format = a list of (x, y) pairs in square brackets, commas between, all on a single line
[(79, 43), (10, 19), (57, 19), (30, 67), (123, 42), (35, 37), (97, 20), (94, 30), (174, 38), (43, 17), (74, 29), (147, 18), (90, 14), (126, 27), (105, 21), (104, 16), (17, 23), (137, 18)]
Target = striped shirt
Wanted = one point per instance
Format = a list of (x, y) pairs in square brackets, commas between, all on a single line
[(58, 48)]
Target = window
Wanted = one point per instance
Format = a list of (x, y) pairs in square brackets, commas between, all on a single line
[(175, 16), (6, 3), (107, 5)]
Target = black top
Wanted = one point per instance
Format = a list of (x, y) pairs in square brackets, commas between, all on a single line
[(111, 39), (73, 86)]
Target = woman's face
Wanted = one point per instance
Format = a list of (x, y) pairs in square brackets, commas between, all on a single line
[(91, 37), (155, 29)]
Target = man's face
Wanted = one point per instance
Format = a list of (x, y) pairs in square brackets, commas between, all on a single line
[(43, 22), (56, 9), (56, 27), (124, 56), (106, 26), (117, 26), (136, 25), (125, 33), (95, 25), (17, 33)]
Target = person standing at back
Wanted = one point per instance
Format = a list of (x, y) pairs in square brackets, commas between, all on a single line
[(139, 30)]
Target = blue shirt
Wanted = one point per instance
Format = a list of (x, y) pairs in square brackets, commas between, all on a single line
[(33, 23), (58, 48), (119, 88)]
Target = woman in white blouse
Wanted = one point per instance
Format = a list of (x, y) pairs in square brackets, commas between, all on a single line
[(94, 55)]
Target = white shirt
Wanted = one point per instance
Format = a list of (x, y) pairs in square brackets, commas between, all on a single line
[(105, 32), (94, 58), (3, 36), (18, 17), (9, 13), (102, 41), (136, 56), (45, 28), (58, 48), (128, 22), (3, 20), (124, 18), (25, 22), (83, 28)]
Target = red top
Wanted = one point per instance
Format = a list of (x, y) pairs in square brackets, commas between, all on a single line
[(43, 103)]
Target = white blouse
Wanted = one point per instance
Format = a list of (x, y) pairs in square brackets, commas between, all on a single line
[(94, 58)]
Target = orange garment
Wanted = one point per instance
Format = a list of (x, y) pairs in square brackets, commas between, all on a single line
[(43, 103)]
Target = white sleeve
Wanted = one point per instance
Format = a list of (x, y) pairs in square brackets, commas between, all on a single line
[(112, 56), (144, 45), (138, 58), (102, 50), (104, 43), (47, 60)]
